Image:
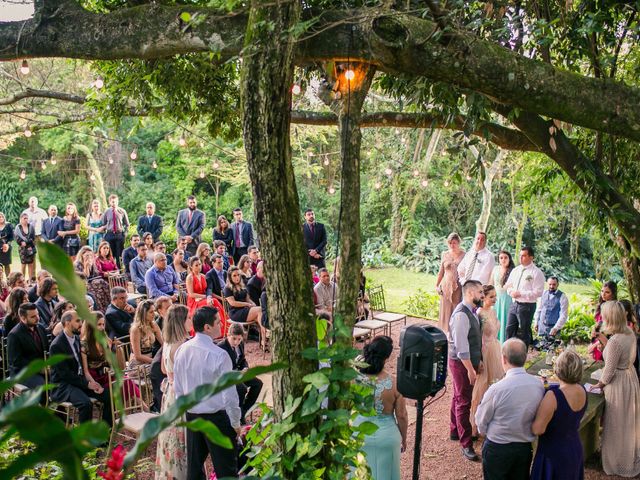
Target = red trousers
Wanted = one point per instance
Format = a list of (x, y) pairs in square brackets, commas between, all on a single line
[(461, 402)]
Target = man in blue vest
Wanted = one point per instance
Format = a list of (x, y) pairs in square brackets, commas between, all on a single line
[(552, 311)]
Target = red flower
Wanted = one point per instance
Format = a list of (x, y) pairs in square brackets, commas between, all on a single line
[(114, 465)]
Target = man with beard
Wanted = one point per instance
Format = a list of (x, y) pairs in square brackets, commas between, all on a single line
[(68, 376), (553, 311), (315, 239), (116, 221), (465, 361), (190, 224)]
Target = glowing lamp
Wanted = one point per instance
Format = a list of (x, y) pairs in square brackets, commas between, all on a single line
[(24, 68)]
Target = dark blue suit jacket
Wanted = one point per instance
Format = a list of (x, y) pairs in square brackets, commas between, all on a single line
[(194, 228), (50, 230), (246, 233), (316, 241), (153, 226)]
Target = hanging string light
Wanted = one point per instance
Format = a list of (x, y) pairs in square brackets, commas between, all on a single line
[(154, 165), (24, 68), (23, 174), (134, 154), (99, 83), (28, 132), (446, 183), (216, 165), (93, 177), (326, 160), (43, 165), (296, 89), (110, 160), (350, 74), (202, 173), (54, 161), (388, 172), (332, 190), (132, 172), (182, 141), (416, 173), (424, 182), (468, 177), (378, 185)]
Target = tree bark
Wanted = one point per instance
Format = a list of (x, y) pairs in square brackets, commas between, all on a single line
[(267, 74), (490, 171)]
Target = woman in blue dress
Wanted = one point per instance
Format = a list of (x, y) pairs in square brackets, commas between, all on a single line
[(503, 299), (559, 453), (383, 447), (94, 225)]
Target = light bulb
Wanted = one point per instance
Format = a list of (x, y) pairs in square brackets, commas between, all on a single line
[(332, 190), (154, 165), (24, 69), (182, 141), (133, 155), (424, 183), (23, 175), (388, 171), (349, 74), (416, 173), (93, 177), (326, 161), (216, 165), (53, 161), (468, 177), (201, 173), (446, 183), (132, 172), (43, 165), (110, 160), (378, 185), (27, 132), (296, 89), (99, 83)]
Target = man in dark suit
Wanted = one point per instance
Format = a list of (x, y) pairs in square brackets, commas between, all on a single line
[(71, 384), (256, 283), (33, 290), (130, 253), (150, 222), (190, 224), (247, 392), (47, 300), (26, 342), (243, 236), (119, 314), (216, 278), (315, 239), (50, 227)]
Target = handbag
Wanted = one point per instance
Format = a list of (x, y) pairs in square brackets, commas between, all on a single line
[(73, 242), (29, 251)]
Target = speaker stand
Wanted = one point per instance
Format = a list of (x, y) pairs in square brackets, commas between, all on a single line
[(418, 441)]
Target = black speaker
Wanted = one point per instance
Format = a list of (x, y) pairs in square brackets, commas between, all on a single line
[(422, 364)]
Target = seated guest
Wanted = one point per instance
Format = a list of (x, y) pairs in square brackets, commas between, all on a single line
[(197, 293), (94, 359), (254, 258), (248, 391), (221, 249), (160, 247), (222, 233), (130, 252), (147, 239), (150, 222), (47, 301), (119, 314), (241, 308), (557, 422), (314, 274), (105, 263), (552, 311), (68, 376), (55, 327), (265, 309), (179, 265), (26, 342), (203, 252), (17, 297), (216, 278), (139, 266), (505, 417), (33, 291), (162, 305), (181, 244), (244, 266), (16, 280), (144, 332), (326, 292), (97, 286), (256, 283), (161, 280)]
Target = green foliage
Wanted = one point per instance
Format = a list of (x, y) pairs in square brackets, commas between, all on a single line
[(423, 304), (326, 410), (10, 200), (580, 321)]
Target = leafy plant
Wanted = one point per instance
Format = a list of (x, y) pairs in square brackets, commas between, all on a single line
[(423, 304)]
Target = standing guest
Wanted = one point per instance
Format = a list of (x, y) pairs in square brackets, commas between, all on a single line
[(248, 391), (6, 237), (256, 284), (47, 300), (465, 358), (26, 342), (25, 237), (448, 283), (216, 278), (203, 253), (139, 267), (326, 292), (383, 447), (69, 231), (16, 297), (221, 249), (254, 257), (244, 265), (119, 314), (130, 252), (105, 263), (242, 235), (241, 308), (36, 216), (478, 262), (499, 277), (171, 454), (33, 290), (506, 415), (190, 224), (315, 239), (161, 280), (559, 453), (553, 311), (150, 223), (198, 362), (608, 293), (116, 223), (492, 366), (222, 233), (51, 226), (68, 375), (144, 332), (94, 225), (525, 286), (619, 382), (97, 286), (179, 265)]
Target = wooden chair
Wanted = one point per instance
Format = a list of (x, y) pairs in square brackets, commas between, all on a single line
[(123, 351), (375, 326), (245, 325), (361, 334), (379, 307), (118, 280), (182, 293)]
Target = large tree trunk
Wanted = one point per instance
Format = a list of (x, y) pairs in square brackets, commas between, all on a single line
[(489, 172), (267, 74)]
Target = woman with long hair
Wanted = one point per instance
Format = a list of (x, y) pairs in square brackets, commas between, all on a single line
[(197, 293), (179, 265), (55, 326), (94, 225), (498, 278), (244, 266), (105, 263), (147, 239), (608, 293), (171, 458), (17, 297), (6, 237), (97, 286), (25, 236), (204, 254), (241, 307), (70, 230), (448, 283), (4, 293), (143, 334), (222, 232)]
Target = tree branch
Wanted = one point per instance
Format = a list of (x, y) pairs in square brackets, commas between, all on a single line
[(47, 126), (33, 93)]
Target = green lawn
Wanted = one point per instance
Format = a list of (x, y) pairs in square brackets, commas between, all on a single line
[(400, 284)]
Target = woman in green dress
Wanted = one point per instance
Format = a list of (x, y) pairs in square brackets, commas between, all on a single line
[(503, 299), (94, 225)]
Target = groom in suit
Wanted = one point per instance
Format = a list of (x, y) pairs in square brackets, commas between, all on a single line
[(315, 239), (50, 227), (190, 224), (150, 222)]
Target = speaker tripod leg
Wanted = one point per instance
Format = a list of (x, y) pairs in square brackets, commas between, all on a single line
[(418, 441)]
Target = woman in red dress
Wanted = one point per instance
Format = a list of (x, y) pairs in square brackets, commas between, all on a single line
[(197, 293)]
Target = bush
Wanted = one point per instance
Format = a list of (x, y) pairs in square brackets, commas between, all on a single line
[(423, 304), (580, 322)]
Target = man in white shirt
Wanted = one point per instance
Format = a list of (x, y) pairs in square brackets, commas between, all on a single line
[(505, 415), (35, 215), (197, 362), (553, 310), (326, 292), (525, 286), (477, 263)]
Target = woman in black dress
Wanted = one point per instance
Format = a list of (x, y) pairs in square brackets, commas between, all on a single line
[(70, 230), (223, 232), (6, 236), (25, 237), (241, 308)]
